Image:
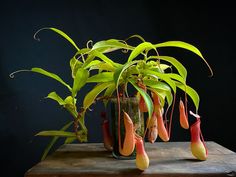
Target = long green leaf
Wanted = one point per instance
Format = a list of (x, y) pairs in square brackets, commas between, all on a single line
[(146, 97), (139, 49), (103, 67), (97, 64), (110, 45), (51, 75), (91, 96), (156, 84), (109, 91), (162, 76), (104, 58), (119, 71), (56, 133), (101, 77), (79, 80), (160, 87), (181, 69), (54, 140), (93, 63), (175, 77), (191, 92), (186, 46), (57, 98), (65, 36), (75, 65), (136, 36)]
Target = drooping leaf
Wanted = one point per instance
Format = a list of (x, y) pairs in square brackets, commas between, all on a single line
[(110, 45), (108, 93), (68, 103), (101, 77), (51, 75), (91, 96), (57, 98), (163, 67), (54, 140), (79, 80), (156, 84), (119, 71), (139, 49), (146, 97), (184, 45), (75, 65), (104, 58), (191, 92), (56, 133), (161, 88), (65, 36), (136, 36), (102, 66), (175, 77), (162, 76), (93, 63), (88, 60), (180, 68)]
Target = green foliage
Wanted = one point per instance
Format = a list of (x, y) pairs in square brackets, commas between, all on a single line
[(54, 140), (140, 66), (79, 80), (51, 75)]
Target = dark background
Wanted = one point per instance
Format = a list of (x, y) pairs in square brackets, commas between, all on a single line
[(23, 109)]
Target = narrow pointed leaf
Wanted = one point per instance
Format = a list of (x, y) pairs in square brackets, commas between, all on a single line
[(157, 84), (146, 97), (180, 68), (162, 76), (119, 71), (54, 140), (101, 77), (65, 36), (56, 133), (163, 88), (57, 98), (109, 91), (75, 65), (104, 58), (110, 45), (79, 80), (93, 63), (51, 75), (103, 67), (139, 49), (191, 92), (184, 45), (175, 77), (91, 96), (136, 36)]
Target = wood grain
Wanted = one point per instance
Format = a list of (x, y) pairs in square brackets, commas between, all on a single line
[(166, 160)]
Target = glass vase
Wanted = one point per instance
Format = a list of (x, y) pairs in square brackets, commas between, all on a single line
[(131, 107)]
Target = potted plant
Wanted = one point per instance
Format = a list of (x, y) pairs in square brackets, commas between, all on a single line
[(156, 80)]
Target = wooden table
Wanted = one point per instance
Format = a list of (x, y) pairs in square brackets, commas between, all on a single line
[(166, 160)]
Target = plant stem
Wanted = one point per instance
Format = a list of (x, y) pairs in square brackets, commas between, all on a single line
[(171, 115)]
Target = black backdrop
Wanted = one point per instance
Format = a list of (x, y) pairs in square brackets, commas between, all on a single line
[(23, 109)]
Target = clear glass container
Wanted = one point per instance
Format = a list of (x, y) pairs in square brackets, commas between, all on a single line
[(131, 107)]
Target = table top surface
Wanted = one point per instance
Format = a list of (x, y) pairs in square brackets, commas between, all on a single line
[(166, 159)]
